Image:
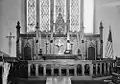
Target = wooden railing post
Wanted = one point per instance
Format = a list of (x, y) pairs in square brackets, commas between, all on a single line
[(83, 70), (29, 71), (67, 70), (44, 70), (100, 68), (36, 70), (104, 68), (59, 70), (108, 68), (91, 69), (96, 69), (52, 70), (75, 70)]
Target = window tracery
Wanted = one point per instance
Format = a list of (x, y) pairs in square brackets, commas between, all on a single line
[(31, 15), (59, 7)]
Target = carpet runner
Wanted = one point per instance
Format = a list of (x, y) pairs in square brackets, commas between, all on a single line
[(58, 80)]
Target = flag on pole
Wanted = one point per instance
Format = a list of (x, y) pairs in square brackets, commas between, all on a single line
[(109, 46)]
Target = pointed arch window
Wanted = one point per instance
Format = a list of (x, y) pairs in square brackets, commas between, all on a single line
[(44, 14), (40, 11), (74, 15), (31, 15)]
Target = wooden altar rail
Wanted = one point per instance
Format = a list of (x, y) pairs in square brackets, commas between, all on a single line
[(79, 67)]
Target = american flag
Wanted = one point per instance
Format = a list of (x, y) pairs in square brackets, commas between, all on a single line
[(109, 46)]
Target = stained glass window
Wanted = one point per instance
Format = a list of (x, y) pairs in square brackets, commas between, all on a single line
[(31, 15), (74, 15), (60, 7), (44, 15)]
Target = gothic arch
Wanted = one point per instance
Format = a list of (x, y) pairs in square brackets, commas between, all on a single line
[(27, 51), (91, 51)]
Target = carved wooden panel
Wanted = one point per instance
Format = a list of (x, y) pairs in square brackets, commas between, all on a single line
[(60, 25), (91, 49)]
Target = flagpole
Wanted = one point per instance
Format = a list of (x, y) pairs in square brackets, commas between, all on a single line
[(112, 42)]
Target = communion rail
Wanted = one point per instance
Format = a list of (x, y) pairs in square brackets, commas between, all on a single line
[(72, 68)]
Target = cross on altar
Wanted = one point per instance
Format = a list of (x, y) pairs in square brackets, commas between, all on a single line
[(10, 41), (59, 45)]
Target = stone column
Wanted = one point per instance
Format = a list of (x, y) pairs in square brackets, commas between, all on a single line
[(37, 40), (83, 69), (82, 28), (82, 14), (52, 70), (96, 69), (101, 39), (91, 69), (53, 45), (36, 70), (68, 15), (108, 68), (105, 68), (75, 70), (100, 68), (67, 70), (29, 69), (44, 70), (17, 39), (60, 70), (51, 15)]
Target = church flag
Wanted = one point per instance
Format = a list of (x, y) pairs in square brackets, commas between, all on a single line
[(109, 46)]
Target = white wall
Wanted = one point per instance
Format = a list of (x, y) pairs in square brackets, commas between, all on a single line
[(109, 14), (10, 13)]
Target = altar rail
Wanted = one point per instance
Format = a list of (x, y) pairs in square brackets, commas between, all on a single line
[(70, 68)]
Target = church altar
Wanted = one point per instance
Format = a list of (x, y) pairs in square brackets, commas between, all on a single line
[(59, 56)]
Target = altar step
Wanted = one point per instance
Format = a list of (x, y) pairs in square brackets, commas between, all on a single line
[(58, 80)]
